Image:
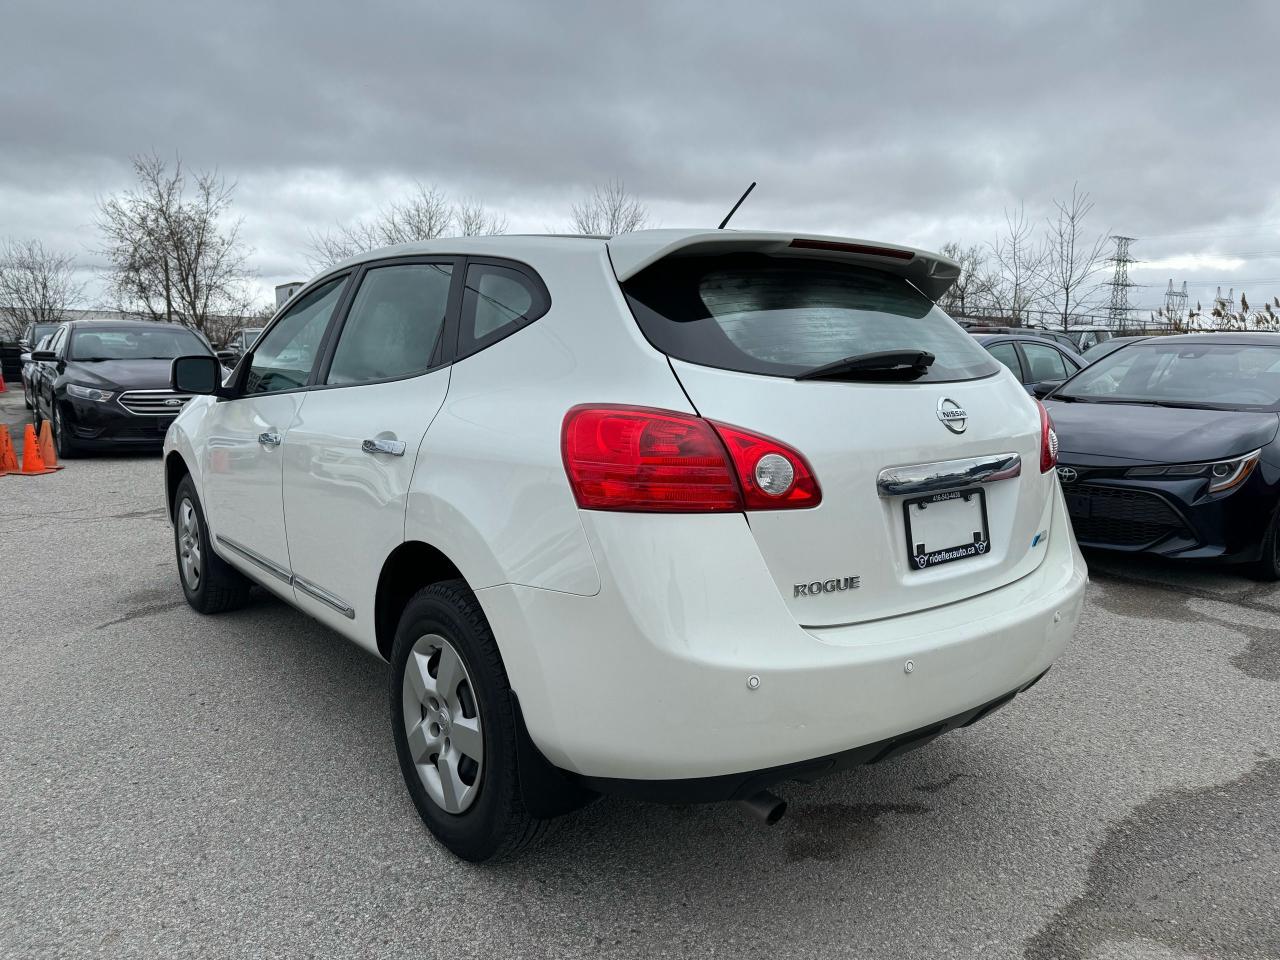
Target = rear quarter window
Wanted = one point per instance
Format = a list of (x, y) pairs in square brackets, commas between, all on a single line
[(784, 316)]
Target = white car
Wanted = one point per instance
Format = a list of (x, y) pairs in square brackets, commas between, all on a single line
[(677, 515)]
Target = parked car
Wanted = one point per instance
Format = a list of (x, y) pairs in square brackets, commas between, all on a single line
[(1168, 446), (238, 344), (1107, 347), (676, 515), (1033, 360), (1085, 335), (105, 384), (1061, 339), (31, 371), (33, 333)]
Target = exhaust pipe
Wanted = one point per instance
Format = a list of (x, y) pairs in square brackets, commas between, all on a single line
[(764, 806)]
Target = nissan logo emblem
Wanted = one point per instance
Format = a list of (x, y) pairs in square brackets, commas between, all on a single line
[(1068, 474), (952, 415)]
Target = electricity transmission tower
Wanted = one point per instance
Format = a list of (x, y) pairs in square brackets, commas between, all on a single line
[(1119, 309), (1175, 304)]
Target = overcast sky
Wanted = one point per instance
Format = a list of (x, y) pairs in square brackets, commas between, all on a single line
[(914, 122)]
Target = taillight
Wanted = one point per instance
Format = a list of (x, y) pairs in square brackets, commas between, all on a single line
[(660, 461), (1048, 441)]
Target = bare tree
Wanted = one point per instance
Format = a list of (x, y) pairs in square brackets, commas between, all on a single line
[(1016, 284), (174, 253), (36, 285), (425, 214), (966, 297), (472, 219), (1069, 260), (609, 211)]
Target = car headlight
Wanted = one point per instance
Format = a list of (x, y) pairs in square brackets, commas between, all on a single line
[(1222, 474), (88, 393)]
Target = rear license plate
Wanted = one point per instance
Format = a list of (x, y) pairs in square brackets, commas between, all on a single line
[(945, 527)]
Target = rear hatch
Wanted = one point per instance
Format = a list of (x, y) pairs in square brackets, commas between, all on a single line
[(741, 326)]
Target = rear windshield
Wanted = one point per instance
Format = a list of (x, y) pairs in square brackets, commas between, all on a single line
[(784, 316), (1227, 376)]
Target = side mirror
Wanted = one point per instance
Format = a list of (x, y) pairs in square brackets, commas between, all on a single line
[(226, 356), (43, 355), (200, 374), (24, 357), (1045, 387)]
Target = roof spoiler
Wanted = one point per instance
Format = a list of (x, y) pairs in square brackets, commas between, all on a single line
[(930, 273)]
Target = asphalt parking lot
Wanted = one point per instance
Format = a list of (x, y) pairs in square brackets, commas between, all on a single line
[(177, 785)]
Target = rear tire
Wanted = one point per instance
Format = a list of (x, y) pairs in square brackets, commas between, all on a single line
[(489, 820), (210, 584)]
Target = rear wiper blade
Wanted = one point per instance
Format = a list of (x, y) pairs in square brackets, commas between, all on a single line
[(884, 365)]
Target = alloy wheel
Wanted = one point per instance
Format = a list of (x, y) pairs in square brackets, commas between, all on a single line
[(442, 723), (190, 555)]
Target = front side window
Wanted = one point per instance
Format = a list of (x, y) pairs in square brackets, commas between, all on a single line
[(1182, 373), (394, 325), (1007, 354), (1043, 362), (284, 357), (495, 302), (785, 316)]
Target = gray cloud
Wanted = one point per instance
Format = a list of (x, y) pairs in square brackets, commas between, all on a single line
[(915, 122)]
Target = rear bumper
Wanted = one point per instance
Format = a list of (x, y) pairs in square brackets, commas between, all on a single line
[(649, 679)]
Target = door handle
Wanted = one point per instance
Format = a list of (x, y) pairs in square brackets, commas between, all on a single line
[(394, 448), (269, 439)]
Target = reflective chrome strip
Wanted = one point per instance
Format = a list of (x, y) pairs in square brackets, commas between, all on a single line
[(154, 403), (947, 474), (272, 568), (324, 596)]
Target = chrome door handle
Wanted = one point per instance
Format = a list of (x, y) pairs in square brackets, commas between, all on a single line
[(394, 448), (269, 439)]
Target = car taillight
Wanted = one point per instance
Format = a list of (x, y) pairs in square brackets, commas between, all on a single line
[(1048, 441), (660, 461)]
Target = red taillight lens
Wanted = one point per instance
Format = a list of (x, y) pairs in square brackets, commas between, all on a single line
[(661, 461), (1048, 441)]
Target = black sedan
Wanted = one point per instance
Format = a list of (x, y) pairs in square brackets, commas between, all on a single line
[(1032, 358), (106, 383), (1168, 446)]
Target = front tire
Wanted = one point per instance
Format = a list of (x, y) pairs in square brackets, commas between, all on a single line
[(63, 445), (210, 584), (454, 726), (1267, 566)]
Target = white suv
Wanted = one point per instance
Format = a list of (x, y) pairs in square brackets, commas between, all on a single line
[(676, 515)]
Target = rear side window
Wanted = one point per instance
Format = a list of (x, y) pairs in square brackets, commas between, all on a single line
[(1044, 362), (784, 316), (497, 301)]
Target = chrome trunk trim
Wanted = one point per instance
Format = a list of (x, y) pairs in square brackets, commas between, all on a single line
[(947, 474)]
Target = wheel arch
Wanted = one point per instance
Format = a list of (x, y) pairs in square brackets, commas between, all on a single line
[(175, 468), (409, 567)]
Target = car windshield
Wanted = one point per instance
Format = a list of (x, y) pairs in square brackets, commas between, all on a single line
[(1226, 376), (784, 317), (134, 343)]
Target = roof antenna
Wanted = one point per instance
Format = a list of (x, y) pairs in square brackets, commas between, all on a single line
[(737, 205)]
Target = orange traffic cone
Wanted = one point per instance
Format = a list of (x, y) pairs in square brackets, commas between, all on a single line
[(47, 451), (8, 457), (2, 386), (32, 462)]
